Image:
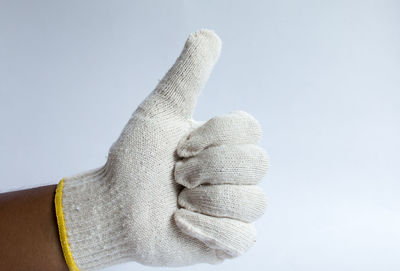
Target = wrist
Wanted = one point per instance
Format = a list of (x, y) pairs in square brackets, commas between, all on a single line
[(91, 221)]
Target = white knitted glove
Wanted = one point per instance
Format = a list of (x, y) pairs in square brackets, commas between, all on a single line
[(173, 191)]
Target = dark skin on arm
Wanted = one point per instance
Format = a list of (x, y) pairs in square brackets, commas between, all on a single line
[(29, 237)]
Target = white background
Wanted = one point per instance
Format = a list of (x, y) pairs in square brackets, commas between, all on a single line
[(322, 77)]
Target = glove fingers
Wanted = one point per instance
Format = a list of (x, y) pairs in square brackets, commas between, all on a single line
[(234, 128), (178, 91), (241, 202), (225, 164), (231, 237)]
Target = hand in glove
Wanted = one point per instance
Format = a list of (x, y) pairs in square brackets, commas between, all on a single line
[(173, 191)]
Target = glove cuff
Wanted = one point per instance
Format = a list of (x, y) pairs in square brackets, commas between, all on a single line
[(91, 221)]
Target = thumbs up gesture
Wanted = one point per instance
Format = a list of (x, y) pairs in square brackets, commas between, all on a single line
[(173, 191)]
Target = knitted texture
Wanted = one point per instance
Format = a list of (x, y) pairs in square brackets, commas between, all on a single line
[(173, 191)]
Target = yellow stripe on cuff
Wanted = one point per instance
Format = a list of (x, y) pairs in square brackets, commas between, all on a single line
[(62, 229)]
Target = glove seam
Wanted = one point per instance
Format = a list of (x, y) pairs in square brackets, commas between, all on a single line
[(62, 229)]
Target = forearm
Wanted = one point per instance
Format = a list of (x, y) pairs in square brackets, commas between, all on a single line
[(29, 234)]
